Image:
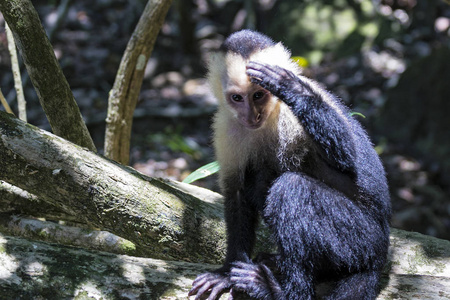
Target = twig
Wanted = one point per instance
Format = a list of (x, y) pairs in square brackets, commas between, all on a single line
[(5, 103), (21, 103), (63, 8)]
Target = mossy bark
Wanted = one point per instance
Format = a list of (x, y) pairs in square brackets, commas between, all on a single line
[(157, 215), (36, 270)]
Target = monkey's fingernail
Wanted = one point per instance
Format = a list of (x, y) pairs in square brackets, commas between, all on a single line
[(255, 80)]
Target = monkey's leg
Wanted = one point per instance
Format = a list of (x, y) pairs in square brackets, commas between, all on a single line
[(320, 230), (356, 287)]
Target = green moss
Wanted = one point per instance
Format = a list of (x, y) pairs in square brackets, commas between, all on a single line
[(43, 234), (421, 258), (127, 247)]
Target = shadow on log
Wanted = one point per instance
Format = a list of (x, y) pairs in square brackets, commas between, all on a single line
[(419, 269)]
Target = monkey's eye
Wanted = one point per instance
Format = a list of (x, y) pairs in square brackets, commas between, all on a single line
[(258, 95), (236, 98)]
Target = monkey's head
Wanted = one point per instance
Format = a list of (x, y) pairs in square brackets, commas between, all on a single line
[(249, 103)]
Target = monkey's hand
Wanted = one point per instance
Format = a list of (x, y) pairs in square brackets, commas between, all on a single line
[(280, 82), (214, 284), (327, 123), (256, 280)]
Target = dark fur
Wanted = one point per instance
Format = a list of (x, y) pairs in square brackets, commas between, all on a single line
[(329, 218), (246, 42)]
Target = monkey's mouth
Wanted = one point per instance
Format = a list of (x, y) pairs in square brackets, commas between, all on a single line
[(253, 126), (254, 122)]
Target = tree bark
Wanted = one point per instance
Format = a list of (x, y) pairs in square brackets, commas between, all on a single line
[(46, 75), (125, 92), (158, 216), (419, 269), (36, 270), (14, 200), (78, 236)]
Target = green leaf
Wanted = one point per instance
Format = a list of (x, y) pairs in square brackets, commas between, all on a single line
[(203, 172), (357, 113), (301, 61)]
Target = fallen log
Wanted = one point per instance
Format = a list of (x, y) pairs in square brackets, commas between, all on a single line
[(166, 220), (419, 268)]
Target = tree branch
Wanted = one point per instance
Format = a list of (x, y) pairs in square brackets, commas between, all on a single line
[(46, 75), (21, 103), (124, 95), (14, 200), (164, 218), (32, 270), (157, 215), (62, 234)]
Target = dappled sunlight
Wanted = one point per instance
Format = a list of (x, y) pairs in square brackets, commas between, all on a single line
[(133, 273), (89, 289), (61, 272), (8, 263)]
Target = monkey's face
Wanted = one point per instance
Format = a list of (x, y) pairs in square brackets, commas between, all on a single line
[(251, 106), (249, 103)]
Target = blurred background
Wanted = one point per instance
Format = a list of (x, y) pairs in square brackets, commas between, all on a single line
[(387, 59)]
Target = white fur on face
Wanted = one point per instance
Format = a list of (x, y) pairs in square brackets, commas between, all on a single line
[(234, 144)]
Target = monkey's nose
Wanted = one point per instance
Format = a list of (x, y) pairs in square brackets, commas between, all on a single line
[(258, 118)]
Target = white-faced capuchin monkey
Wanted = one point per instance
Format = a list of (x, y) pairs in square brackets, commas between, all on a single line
[(290, 152)]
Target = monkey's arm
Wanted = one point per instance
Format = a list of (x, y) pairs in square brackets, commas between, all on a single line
[(241, 220), (326, 122)]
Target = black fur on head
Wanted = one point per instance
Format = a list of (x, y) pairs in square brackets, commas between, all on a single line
[(246, 42)]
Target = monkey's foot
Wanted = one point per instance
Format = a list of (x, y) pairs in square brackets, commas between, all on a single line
[(214, 284), (255, 279)]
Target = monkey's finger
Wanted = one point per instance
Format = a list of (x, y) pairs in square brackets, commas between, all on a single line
[(217, 291), (263, 76), (200, 288), (196, 285), (200, 278), (240, 268), (271, 71), (255, 80), (264, 69), (231, 296), (240, 274), (241, 286), (203, 290), (259, 66), (194, 290), (254, 73)]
